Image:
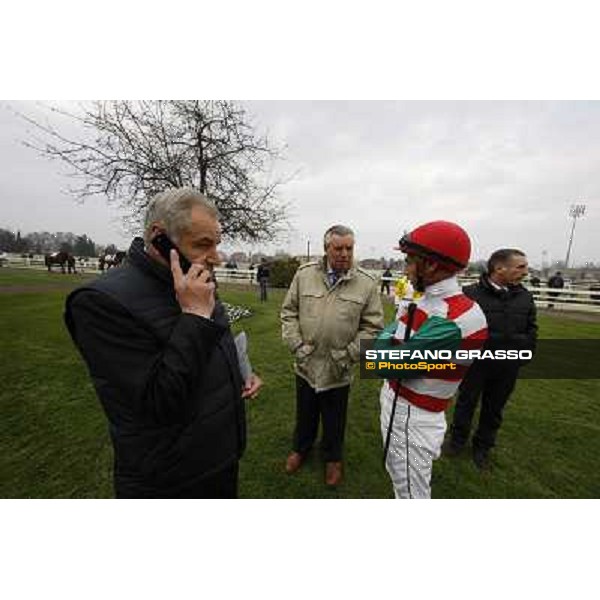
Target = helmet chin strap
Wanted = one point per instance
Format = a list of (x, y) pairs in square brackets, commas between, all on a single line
[(420, 283)]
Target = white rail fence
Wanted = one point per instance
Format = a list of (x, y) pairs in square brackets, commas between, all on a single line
[(578, 297), (90, 265)]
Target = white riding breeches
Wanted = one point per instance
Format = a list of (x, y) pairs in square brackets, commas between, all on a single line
[(416, 441)]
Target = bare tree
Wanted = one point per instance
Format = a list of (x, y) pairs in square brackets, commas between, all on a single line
[(129, 150)]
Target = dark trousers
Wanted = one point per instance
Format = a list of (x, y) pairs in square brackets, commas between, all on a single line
[(263, 290), (385, 285), (223, 484), (494, 383), (331, 407)]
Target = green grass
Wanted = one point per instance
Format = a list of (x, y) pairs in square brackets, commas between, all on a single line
[(54, 441), (37, 277)]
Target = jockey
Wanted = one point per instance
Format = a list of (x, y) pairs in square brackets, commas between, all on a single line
[(441, 318)]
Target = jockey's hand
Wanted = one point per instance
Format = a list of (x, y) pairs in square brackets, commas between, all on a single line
[(195, 290)]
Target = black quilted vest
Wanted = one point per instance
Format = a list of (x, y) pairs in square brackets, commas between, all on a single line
[(154, 459)]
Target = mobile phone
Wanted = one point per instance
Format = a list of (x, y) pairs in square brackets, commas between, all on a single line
[(162, 242)]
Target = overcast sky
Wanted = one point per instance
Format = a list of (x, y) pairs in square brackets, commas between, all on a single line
[(506, 171)]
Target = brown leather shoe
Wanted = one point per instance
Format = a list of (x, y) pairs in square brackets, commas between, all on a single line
[(293, 463), (333, 473)]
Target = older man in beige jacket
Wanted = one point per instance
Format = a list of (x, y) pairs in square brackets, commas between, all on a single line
[(330, 305)]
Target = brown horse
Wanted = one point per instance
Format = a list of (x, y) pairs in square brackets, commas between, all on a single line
[(62, 259)]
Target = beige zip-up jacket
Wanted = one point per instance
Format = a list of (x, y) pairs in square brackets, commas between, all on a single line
[(322, 326)]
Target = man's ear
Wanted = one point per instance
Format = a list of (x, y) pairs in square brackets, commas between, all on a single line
[(499, 269), (155, 229), (435, 269), (430, 267)]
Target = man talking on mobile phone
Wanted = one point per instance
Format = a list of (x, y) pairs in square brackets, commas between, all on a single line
[(163, 361)]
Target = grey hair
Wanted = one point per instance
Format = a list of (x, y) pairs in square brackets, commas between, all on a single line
[(173, 209), (340, 230)]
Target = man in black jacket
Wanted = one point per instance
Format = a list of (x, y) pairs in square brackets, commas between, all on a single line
[(262, 276), (556, 281), (161, 356), (511, 316)]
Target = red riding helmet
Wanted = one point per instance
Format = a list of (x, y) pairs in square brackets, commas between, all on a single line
[(441, 241)]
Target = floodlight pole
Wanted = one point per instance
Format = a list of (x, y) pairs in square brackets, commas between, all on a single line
[(576, 211)]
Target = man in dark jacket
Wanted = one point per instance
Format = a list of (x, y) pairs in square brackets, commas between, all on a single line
[(161, 356), (385, 281), (556, 281), (262, 276), (511, 316)]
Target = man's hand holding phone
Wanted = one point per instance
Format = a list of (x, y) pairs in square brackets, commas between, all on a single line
[(195, 290)]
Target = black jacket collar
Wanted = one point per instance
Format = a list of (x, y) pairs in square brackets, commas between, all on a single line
[(138, 256), (485, 282)]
